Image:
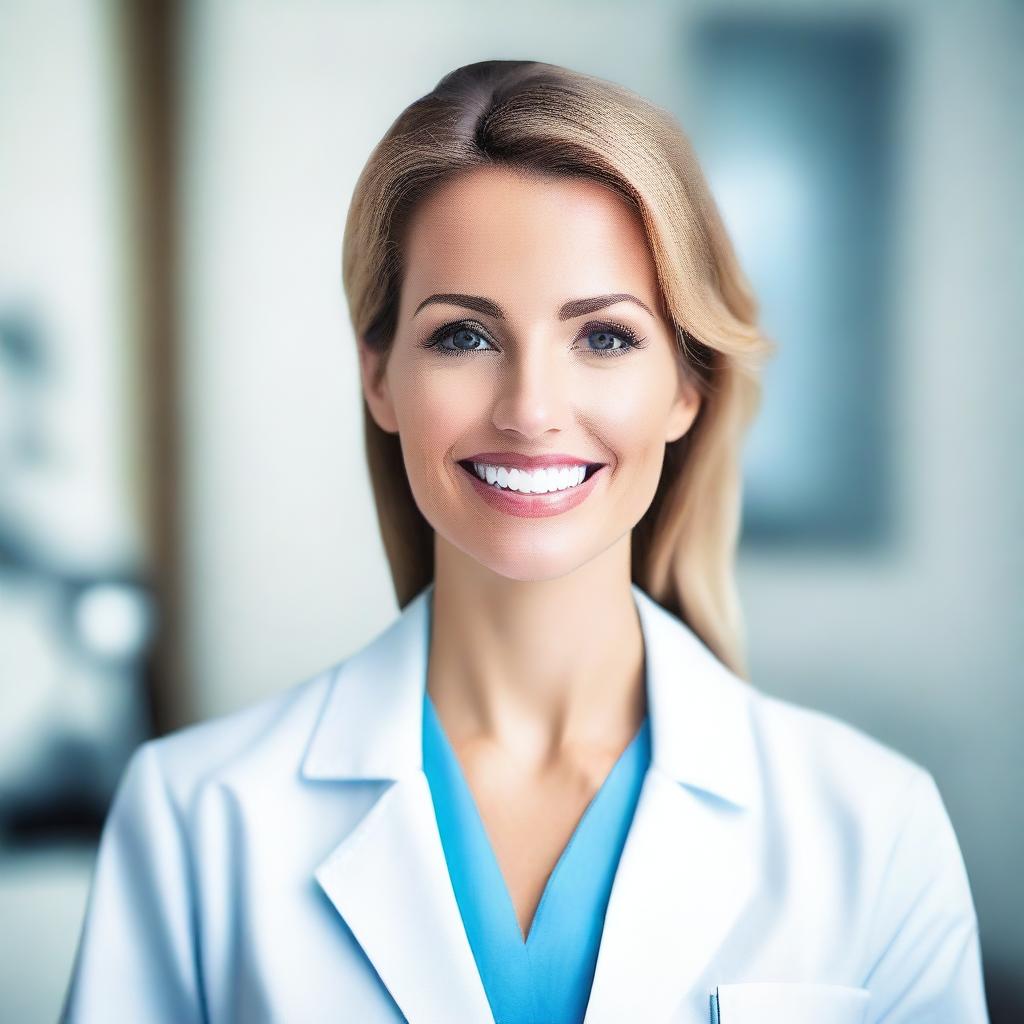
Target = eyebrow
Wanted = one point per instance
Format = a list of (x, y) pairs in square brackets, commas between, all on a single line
[(568, 311)]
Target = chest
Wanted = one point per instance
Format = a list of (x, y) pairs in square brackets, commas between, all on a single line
[(530, 818)]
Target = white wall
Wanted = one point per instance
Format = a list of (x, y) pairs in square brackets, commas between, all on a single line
[(63, 236), (63, 259)]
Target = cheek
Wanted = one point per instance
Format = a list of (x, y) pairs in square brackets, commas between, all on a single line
[(425, 402), (630, 415), (434, 411)]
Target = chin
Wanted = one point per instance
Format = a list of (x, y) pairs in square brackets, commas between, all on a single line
[(525, 563)]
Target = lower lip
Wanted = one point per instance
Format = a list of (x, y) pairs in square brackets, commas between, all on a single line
[(532, 506)]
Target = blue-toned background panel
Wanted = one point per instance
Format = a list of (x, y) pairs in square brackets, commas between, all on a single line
[(794, 126)]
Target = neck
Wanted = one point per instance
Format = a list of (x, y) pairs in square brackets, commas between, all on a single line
[(539, 669)]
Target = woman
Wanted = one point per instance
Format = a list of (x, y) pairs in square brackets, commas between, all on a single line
[(547, 792)]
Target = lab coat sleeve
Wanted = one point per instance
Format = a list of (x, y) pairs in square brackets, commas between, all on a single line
[(927, 964), (136, 958)]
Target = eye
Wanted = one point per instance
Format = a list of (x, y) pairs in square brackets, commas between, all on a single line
[(462, 334), (607, 334)]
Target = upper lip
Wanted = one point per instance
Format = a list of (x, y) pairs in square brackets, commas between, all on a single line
[(516, 461)]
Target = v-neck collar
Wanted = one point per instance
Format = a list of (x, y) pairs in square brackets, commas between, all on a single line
[(568, 921), (457, 785)]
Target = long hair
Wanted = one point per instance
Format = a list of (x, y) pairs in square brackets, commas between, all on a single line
[(541, 118)]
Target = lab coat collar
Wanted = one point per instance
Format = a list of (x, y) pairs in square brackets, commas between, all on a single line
[(701, 735), (687, 871)]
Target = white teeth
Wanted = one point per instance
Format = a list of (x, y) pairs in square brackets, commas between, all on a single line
[(540, 481)]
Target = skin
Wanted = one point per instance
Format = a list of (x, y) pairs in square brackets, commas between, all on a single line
[(536, 663)]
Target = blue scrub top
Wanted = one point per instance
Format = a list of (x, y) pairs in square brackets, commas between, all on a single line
[(547, 978)]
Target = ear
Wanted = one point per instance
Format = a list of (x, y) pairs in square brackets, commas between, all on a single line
[(685, 408), (375, 388)]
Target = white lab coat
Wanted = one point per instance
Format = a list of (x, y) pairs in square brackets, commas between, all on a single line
[(282, 863)]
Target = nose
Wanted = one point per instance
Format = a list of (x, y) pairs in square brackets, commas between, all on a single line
[(532, 394)]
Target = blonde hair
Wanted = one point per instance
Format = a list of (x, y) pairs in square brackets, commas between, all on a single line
[(533, 117)]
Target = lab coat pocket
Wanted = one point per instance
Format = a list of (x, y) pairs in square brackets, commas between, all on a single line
[(778, 1002)]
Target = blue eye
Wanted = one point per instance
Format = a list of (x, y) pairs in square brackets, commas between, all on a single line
[(462, 334), (609, 335), (462, 338)]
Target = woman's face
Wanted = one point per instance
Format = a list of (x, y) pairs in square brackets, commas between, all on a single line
[(499, 352)]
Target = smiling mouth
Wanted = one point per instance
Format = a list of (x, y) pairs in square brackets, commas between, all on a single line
[(592, 468)]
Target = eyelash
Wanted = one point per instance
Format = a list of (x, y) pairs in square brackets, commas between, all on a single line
[(632, 339)]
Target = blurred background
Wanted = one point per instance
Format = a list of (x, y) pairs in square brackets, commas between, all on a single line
[(186, 523)]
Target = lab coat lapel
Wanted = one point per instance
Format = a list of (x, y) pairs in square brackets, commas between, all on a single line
[(390, 883), (388, 878), (690, 860)]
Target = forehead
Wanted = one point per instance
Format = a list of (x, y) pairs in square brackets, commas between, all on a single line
[(527, 239)]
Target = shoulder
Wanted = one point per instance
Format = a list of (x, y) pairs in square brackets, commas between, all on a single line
[(265, 738), (800, 742), (829, 786), (821, 775), (834, 787)]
